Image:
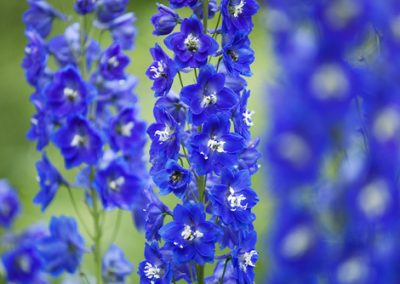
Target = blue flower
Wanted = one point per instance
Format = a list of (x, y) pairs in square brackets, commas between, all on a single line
[(155, 214), (118, 187), (68, 94), (79, 142), (127, 132), (173, 178), (208, 96), (237, 15), (9, 204), (198, 9), (243, 117), (237, 53), (113, 62), (191, 46), (64, 248), (165, 20), (22, 265), (229, 274), (233, 198), (108, 10), (154, 269), (215, 147), (84, 7), (49, 180), (165, 138), (162, 71), (192, 237), (248, 159), (244, 258), (172, 105), (40, 17), (182, 3), (115, 266), (35, 59), (123, 30)]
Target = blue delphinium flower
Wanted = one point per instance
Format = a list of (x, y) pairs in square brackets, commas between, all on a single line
[(182, 3), (208, 96), (123, 30), (115, 266), (215, 147), (155, 268), (9, 204), (63, 249), (237, 53), (22, 265), (68, 94), (79, 142), (165, 20), (156, 211), (49, 180), (192, 237), (173, 178), (84, 6), (113, 63), (35, 57), (237, 14), (117, 187), (162, 71), (191, 45), (244, 258), (108, 10)]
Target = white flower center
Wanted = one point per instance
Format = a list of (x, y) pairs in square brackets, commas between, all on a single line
[(297, 242), (165, 134), (116, 184), (78, 140), (192, 42), (235, 201), (216, 145), (245, 260), (189, 235), (294, 149), (330, 82), (374, 198), (70, 93), (113, 62), (126, 129), (152, 272), (237, 10), (248, 117), (159, 70), (209, 100), (352, 270), (24, 263), (386, 124)]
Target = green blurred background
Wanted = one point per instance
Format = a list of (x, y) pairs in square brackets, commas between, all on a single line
[(18, 155)]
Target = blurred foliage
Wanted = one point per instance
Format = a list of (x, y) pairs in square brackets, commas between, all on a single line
[(18, 155)]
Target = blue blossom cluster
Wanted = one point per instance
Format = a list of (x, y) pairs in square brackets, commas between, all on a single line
[(201, 146), (86, 107), (334, 142)]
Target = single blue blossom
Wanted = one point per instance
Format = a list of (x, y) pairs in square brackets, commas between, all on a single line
[(155, 269), (108, 10), (35, 59), (113, 63), (9, 204), (84, 7), (237, 53), (237, 15), (165, 20), (244, 258), (115, 267), (182, 3)]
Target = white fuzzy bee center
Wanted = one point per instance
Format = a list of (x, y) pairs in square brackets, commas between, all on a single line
[(159, 70), (209, 100), (192, 42), (78, 140), (165, 134), (235, 201), (189, 235), (245, 260), (116, 184), (152, 272), (113, 62), (237, 10), (248, 117), (70, 93), (216, 145), (126, 129)]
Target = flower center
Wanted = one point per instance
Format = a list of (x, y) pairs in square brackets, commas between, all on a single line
[(248, 117), (216, 145), (235, 201), (116, 184), (24, 263), (176, 177), (246, 259), (159, 70), (113, 62), (192, 43), (78, 140), (71, 94), (126, 129), (190, 235), (237, 10), (209, 100), (165, 134), (152, 272), (233, 55)]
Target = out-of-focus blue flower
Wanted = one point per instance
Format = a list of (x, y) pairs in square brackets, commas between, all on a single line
[(191, 45), (123, 30), (115, 266), (192, 237), (154, 269), (40, 17), (165, 20), (182, 3), (237, 15), (113, 63), (79, 142), (84, 7), (64, 248), (208, 96), (244, 258), (229, 276), (173, 178), (162, 71), (108, 10), (198, 9), (49, 180), (237, 53), (155, 214), (35, 59), (117, 187), (9, 204), (233, 198), (22, 265), (68, 94), (215, 147)]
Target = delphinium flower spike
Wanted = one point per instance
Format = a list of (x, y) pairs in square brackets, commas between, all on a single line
[(202, 150), (86, 107), (333, 146)]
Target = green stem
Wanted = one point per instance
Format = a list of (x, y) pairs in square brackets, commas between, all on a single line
[(216, 27), (221, 281), (97, 237), (200, 274), (117, 225), (205, 15), (180, 79)]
